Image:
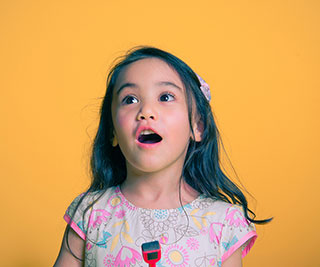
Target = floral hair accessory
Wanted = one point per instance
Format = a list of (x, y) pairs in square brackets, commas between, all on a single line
[(205, 88)]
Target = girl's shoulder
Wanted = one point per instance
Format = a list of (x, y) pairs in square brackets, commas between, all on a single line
[(79, 213), (83, 202), (226, 225)]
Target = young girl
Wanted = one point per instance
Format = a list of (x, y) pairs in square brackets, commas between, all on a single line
[(157, 175)]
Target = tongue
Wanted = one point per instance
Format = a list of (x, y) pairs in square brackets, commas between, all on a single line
[(149, 138)]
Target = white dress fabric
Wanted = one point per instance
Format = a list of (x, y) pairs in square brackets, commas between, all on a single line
[(204, 232)]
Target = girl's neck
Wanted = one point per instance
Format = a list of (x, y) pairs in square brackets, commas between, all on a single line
[(157, 191)]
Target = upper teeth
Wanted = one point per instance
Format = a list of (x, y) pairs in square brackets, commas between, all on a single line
[(145, 132)]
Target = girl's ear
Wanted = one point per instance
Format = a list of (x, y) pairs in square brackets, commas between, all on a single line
[(114, 140), (197, 130)]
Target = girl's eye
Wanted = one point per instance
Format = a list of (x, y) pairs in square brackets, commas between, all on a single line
[(129, 100), (166, 97)]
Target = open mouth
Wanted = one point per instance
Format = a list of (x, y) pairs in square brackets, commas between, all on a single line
[(149, 137)]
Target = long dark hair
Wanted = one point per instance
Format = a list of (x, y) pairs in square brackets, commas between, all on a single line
[(202, 169)]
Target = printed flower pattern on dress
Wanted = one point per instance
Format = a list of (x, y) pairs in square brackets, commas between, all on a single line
[(158, 220), (109, 260), (205, 260), (193, 243), (228, 245), (202, 203), (97, 217), (90, 260), (103, 241), (115, 201), (176, 256), (215, 232), (160, 264), (126, 257), (235, 218), (88, 246), (120, 214), (123, 232), (203, 233)]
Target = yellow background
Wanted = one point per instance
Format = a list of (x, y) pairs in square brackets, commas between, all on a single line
[(261, 59)]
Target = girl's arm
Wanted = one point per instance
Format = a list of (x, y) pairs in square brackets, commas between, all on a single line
[(235, 260), (76, 244)]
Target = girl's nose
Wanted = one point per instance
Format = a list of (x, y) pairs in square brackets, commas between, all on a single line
[(147, 113)]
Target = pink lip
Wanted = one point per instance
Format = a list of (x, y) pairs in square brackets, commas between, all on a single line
[(144, 145)]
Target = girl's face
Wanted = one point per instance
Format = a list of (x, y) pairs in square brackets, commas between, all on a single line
[(150, 116)]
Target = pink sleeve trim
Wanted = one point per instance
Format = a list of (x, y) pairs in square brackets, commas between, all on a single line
[(253, 235), (74, 226)]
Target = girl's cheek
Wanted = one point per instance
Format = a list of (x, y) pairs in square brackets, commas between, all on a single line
[(121, 120)]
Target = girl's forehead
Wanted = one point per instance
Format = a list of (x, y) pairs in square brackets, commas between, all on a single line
[(148, 69)]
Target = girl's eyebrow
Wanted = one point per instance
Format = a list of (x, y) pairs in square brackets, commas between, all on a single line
[(126, 85), (165, 83), (162, 83)]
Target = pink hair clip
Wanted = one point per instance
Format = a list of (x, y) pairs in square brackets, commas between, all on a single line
[(205, 88)]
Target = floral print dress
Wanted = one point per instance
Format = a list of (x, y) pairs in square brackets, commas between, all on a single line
[(204, 232)]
